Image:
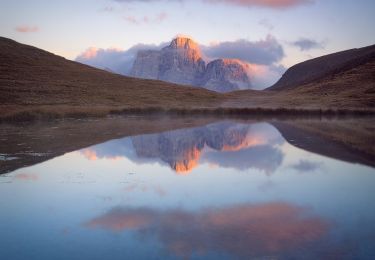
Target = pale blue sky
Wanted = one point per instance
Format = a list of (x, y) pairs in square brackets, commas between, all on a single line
[(69, 27)]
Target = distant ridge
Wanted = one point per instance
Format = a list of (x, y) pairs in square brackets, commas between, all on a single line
[(324, 67)]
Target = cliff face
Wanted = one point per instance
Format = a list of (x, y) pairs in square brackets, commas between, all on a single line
[(226, 75), (181, 62), (152, 59)]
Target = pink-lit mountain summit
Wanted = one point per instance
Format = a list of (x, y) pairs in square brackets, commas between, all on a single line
[(181, 62)]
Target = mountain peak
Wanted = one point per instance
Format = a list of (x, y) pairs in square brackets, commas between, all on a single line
[(181, 62), (184, 43)]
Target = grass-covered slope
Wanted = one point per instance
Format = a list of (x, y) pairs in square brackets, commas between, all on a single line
[(33, 79), (324, 68), (35, 83)]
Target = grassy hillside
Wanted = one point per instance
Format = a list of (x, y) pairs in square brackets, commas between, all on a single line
[(323, 68), (35, 83), (352, 89), (33, 79)]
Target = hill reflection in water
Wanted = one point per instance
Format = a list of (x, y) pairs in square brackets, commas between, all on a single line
[(216, 190)]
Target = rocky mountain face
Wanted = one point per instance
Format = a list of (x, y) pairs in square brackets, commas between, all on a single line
[(181, 62), (224, 75)]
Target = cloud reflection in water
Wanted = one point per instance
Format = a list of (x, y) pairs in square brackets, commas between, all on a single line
[(242, 230)]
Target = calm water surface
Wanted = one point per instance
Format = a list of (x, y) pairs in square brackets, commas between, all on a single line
[(221, 191)]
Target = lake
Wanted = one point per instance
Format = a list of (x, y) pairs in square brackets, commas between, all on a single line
[(195, 188)]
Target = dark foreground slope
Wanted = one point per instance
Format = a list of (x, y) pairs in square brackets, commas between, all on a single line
[(344, 80), (324, 67), (33, 79)]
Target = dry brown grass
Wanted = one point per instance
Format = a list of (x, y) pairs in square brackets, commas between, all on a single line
[(35, 84), (351, 90)]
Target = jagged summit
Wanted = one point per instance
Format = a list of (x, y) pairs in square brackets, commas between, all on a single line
[(186, 47), (184, 43), (181, 62)]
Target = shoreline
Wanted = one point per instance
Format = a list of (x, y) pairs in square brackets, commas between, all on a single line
[(57, 112)]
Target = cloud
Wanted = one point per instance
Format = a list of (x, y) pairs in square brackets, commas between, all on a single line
[(90, 53), (273, 4), (114, 59), (146, 19), (263, 76), (27, 29), (264, 158), (27, 177), (262, 52), (305, 44), (242, 231), (260, 57)]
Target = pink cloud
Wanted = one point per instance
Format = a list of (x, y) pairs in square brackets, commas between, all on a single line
[(118, 220), (27, 29), (91, 155), (245, 231), (92, 52), (146, 19), (27, 177)]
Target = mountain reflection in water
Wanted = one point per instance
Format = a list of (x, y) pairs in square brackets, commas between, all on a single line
[(228, 145), (249, 190)]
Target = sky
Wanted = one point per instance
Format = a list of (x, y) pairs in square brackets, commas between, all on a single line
[(272, 35)]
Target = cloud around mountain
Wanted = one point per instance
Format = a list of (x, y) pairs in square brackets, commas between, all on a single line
[(113, 59), (262, 56), (262, 52), (26, 29)]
